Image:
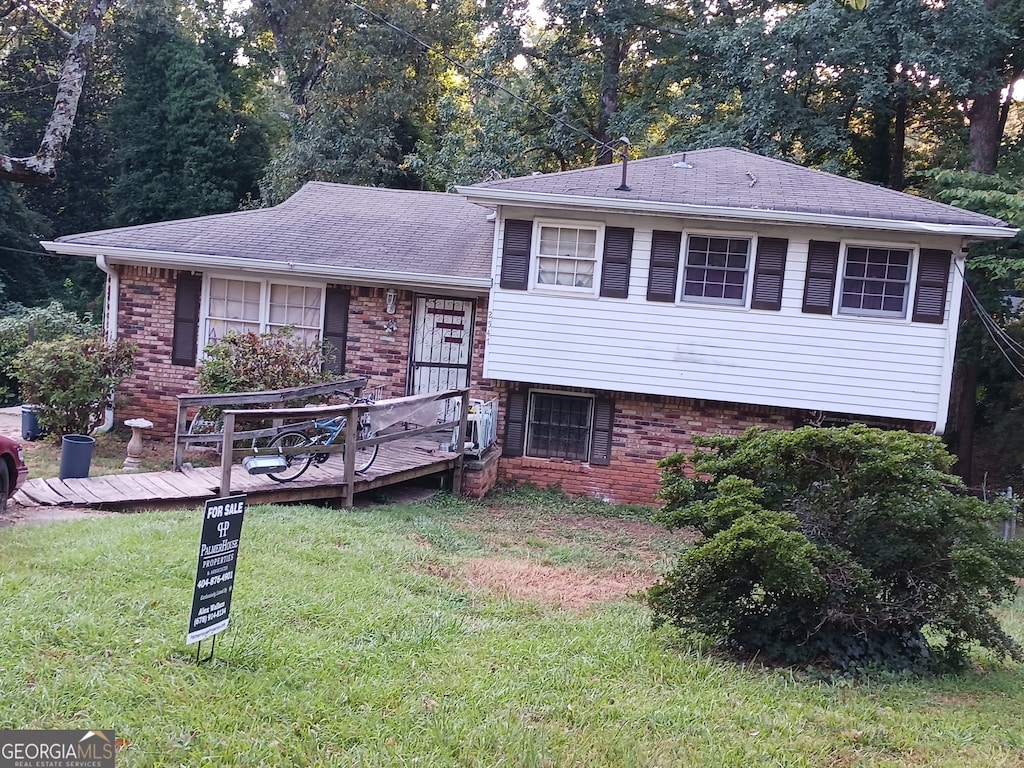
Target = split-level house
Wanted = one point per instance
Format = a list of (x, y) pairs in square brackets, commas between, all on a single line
[(613, 311)]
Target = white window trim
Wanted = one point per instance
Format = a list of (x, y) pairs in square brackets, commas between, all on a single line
[(535, 256), (264, 318), (750, 237), (528, 422), (868, 314)]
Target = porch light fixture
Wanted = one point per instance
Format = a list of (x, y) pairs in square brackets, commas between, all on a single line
[(391, 301)]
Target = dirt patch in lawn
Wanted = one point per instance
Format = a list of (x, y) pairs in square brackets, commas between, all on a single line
[(560, 586), (566, 560)]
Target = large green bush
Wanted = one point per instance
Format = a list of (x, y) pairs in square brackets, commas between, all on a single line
[(39, 324), (72, 380), (852, 548), (251, 362)]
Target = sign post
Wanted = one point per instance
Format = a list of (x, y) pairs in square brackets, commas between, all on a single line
[(215, 573)]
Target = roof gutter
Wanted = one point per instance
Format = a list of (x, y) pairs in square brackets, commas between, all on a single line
[(542, 199), (205, 262)]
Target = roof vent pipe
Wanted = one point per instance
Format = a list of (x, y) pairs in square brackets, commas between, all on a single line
[(624, 154)]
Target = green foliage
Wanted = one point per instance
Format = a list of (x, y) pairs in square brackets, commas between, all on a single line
[(40, 324), (179, 146), (851, 547), (251, 362), (72, 380)]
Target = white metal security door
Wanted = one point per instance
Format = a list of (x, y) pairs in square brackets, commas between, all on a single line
[(441, 344)]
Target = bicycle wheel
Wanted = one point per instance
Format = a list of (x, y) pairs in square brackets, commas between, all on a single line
[(365, 456), (297, 462)]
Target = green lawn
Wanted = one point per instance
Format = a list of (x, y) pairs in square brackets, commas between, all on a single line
[(365, 638)]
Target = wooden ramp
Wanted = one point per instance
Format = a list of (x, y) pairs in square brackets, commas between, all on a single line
[(396, 462)]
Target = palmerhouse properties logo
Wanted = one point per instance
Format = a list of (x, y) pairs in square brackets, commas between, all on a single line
[(56, 749)]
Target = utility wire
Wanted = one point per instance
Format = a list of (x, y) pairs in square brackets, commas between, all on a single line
[(998, 335), (480, 77)]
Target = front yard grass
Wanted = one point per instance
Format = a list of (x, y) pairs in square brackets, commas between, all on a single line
[(437, 634)]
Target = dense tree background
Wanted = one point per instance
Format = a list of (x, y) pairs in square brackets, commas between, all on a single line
[(198, 106)]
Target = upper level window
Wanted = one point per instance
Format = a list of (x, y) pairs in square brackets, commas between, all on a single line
[(876, 281), (567, 256), (260, 306), (716, 269)]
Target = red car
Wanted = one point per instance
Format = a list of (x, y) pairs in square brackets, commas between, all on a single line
[(13, 472)]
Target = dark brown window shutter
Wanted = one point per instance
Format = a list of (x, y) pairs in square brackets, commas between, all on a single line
[(769, 271), (932, 278), (820, 282), (661, 282), (604, 420), (186, 319), (515, 424), (515, 254), (335, 328), (618, 254)]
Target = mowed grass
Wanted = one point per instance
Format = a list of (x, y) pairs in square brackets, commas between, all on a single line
[(355, 642)]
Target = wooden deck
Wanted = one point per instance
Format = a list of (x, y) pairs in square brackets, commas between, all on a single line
[(396, 462)]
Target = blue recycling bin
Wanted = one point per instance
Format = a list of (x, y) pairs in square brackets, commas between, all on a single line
[(75, 455), (30, 429)]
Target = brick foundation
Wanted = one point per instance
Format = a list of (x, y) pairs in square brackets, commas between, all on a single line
[(648, 428), (480, 475)]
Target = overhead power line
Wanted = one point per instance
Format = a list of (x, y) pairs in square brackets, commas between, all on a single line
[(1005, 343)]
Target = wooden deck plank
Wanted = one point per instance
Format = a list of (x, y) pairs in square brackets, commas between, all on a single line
[(37, 491), (397, 461)]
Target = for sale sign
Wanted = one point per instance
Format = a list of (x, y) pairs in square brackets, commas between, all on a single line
[(215, 574)]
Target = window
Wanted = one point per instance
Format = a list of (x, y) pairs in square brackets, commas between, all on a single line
[(875, 281), (559, 426), (716, 269), (260, 306), (567, 256)]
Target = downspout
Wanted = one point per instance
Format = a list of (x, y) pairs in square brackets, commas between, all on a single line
[(110, 307)]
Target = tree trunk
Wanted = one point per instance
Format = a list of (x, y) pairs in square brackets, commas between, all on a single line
[(986, 131), (612, 53), (41, 168)]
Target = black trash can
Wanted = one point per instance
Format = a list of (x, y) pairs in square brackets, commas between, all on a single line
[(30, 429), (75, 455)]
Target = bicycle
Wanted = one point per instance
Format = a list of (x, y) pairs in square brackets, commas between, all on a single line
[(326, 433)]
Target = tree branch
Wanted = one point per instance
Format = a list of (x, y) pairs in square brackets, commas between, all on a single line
[(41, 168), (54, 26)]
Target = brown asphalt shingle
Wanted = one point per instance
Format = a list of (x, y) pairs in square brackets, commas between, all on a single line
[(732, 178), (333, 225)]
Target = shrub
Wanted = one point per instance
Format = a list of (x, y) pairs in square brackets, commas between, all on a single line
[(251, 362), (72, 380), (43, 324), (852, 547)]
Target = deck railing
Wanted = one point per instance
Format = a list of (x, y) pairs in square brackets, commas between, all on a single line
[(191, 408), (419, 414)]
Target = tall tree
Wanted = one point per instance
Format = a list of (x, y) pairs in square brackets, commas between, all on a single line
[(176, 153), (364, 83), (41, 167)]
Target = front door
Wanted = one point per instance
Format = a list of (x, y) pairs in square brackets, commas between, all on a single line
[(441, 344)]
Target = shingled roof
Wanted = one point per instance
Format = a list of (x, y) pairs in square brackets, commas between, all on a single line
[(726, 178), (332, 228)]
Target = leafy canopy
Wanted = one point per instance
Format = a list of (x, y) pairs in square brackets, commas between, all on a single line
[(851, 547)]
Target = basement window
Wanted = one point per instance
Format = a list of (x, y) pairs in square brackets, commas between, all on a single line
[(559, 426)]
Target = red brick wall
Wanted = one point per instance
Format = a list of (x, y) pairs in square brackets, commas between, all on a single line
[(146, 316), (378, 346), (647, 428)]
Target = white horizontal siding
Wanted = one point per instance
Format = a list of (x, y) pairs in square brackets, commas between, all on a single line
[(868, 366)]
